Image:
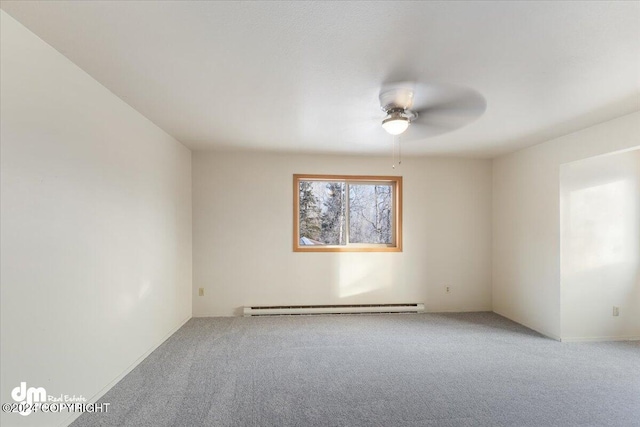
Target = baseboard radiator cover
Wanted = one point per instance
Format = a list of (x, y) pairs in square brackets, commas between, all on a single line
[(297, 310)]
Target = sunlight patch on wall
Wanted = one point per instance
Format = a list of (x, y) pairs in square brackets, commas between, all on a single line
[(600, 226), (362, 273), (145, 288)]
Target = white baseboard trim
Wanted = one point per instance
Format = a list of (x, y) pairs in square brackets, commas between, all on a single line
[(600, 339), (426, 310), (72, 417), (458, 310), (546, 334)]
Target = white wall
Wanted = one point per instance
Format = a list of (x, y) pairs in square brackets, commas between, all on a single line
[(243, 221), (600, 247), (526, 220), (96, 227)]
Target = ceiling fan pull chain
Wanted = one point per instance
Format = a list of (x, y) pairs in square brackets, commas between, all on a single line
[(393, 152), (399, 151)]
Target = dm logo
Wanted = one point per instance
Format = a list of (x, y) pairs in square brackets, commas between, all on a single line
[(28, 396)]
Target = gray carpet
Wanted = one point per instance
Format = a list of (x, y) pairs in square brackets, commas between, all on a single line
[(473, 369)]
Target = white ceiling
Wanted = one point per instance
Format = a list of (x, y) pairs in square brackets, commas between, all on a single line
[(304, 76)]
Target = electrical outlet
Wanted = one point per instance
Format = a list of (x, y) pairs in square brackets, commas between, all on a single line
[(201, 292), (616, 311), (447, 289)]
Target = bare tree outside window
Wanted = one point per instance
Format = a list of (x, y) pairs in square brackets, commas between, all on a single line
[(370, 212)]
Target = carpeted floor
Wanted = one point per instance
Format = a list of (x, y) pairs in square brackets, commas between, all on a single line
[(471, 369)]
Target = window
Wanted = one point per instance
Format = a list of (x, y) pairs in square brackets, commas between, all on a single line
[(342, 213)]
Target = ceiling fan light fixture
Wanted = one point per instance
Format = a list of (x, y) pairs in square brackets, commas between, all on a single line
[(395, 123)]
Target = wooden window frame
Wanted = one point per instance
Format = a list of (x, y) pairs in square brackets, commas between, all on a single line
[(396, 181)]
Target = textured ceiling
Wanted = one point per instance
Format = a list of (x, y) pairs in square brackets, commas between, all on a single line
[(304, 76)]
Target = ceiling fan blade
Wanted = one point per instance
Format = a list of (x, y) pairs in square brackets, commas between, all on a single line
[(429, 96), (449, 108)]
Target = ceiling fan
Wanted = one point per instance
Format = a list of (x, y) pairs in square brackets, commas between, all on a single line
[(425, 110)]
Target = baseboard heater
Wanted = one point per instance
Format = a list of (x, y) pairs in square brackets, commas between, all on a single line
[(289, 310)]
